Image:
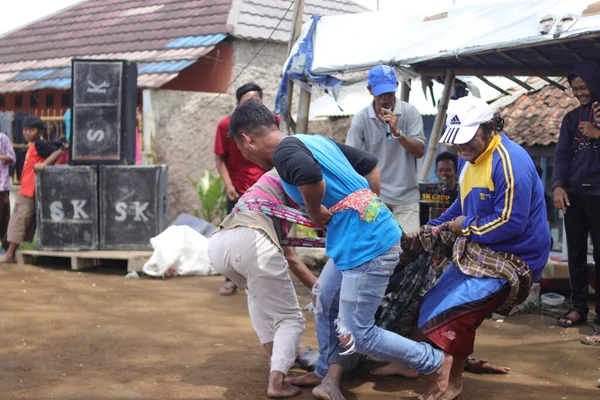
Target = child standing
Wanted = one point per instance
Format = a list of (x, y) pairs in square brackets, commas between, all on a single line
[(40, 154)]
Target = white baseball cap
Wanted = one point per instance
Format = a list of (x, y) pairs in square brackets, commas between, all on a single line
[(464, 117)]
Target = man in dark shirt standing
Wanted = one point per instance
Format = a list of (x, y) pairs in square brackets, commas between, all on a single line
[(576, 188)]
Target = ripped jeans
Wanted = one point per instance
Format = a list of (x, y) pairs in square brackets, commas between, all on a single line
[(360, 291)]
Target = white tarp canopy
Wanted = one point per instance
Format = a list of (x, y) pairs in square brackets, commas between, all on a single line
[(354, 97), (359, 41)]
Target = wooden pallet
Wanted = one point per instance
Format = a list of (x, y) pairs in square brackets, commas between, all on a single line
[(84, 259)]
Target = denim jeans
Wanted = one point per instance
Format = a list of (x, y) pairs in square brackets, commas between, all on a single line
[(360, 291)]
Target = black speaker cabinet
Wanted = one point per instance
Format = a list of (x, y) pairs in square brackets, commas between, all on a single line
[(67, 208), (133, 205), (104, 97)]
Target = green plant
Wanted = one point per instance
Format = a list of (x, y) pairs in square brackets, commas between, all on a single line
[(210, 192)]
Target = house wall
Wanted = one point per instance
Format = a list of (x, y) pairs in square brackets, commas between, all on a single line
[(43, 106), (211, 73)]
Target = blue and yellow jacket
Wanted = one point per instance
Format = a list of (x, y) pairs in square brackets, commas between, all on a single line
[(502, 198)]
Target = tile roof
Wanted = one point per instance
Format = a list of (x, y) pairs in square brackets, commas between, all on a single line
[(534, 118), (256, 19), (163, 36)]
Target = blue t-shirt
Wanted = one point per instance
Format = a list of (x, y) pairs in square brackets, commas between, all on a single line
[(350, 241)]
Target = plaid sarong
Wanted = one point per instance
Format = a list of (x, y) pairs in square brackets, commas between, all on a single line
[(479, 261)]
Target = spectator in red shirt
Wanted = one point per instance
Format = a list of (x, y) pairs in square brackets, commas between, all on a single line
[(40, 154), (237, 172)]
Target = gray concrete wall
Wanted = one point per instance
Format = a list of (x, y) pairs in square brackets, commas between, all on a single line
[(184, 139)]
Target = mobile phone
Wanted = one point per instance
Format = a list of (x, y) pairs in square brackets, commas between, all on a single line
[(595, 105), (387, 106)]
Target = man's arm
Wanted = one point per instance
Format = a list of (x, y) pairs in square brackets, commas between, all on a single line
[(8, 154), (511, 205), (224, 172), (413, 140), (220, 150), (53, 158), (455, 210), (374, 180), (562, 157), (298, 268), (297, 166), (313, 194)]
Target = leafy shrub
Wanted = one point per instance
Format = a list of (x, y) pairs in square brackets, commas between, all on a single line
[(211, 194)]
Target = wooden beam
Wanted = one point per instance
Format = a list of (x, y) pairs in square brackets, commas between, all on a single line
[(492, 85), (553, 83), (480, 60), (541, 56), (571, 52), (491, 71), (511, 58), (520, 83), (438, 124)]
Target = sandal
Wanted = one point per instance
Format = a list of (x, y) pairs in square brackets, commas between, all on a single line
[(592, 342), (566, 321), (228, 288)]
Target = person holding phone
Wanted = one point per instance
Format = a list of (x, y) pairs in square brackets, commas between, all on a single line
[(392, 131), (576, 188)]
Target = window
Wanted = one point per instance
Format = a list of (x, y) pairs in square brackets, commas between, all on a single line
[(2, 102), (49, 100), (66, 100), (34, 100), (18, 101)]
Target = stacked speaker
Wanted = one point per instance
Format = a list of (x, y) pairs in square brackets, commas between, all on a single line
[(102, 201)]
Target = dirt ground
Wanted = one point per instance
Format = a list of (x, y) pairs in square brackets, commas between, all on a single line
[(95, 335)]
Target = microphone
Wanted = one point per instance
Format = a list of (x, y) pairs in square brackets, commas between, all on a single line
[(388, 129)]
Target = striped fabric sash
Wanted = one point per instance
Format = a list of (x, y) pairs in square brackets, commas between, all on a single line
[(287, 214)]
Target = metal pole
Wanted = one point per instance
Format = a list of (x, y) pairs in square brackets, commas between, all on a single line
[(438, 124), (303, 108), (286, 122), (405, 91)]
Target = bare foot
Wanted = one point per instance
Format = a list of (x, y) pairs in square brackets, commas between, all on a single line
[(310, 379), (455, 388), (278, 389), (437, 383), (395, 369), (485, 367), (328, 391)]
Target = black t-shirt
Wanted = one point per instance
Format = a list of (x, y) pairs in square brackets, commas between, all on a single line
[(297, 165), (45, 149)]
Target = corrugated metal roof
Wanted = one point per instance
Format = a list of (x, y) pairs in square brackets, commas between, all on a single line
[(64, 83), (33, 74), (163, 66), (196, 41)]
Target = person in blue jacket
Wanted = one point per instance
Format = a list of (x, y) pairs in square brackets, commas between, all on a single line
[(500, 205)]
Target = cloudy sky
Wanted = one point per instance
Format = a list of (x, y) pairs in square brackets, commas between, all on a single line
[(18, 13)]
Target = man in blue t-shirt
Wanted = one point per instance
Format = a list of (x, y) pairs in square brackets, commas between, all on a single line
[(338, 186)]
